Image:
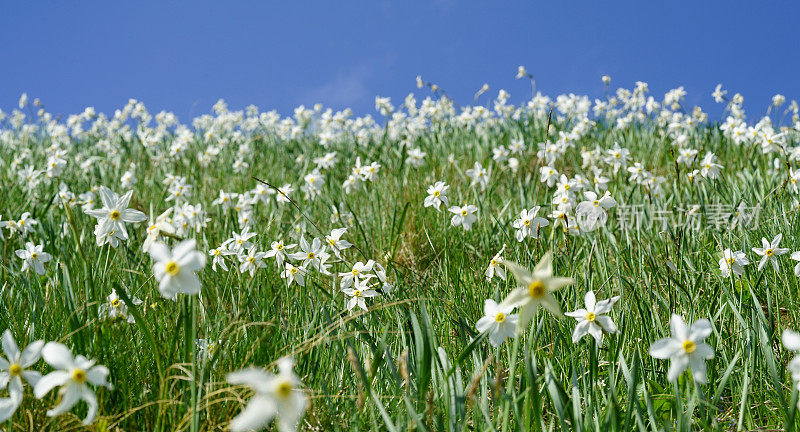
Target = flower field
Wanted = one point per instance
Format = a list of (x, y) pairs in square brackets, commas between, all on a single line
[(621, 262)]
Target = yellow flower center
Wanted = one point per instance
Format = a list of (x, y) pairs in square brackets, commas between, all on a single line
[(526, 222), (114, 214), (332, 242), (279, 247), (689, 346), (591, 316), (500, 317), (115, 303), (311, 255), (731, 260), (494, 263), (293, 270), (436, 193), (769, 252), (34, 255), (357, 293), (463, 212), (79, 375), (284, 389), (172, 268), (15, 369), (566, 187), (536, 289), (355, 272)]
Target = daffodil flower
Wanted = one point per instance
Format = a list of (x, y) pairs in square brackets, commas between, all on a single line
[(13, 368), (176, 270), (770, 252), (498, 322), (275, 396), (534, 288), (685, 348), (73, 375), (593, 319)]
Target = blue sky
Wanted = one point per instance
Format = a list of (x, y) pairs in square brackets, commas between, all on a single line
[(182, 57)]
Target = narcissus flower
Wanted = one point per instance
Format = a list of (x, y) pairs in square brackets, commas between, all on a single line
[(498, 321), (593, 319), (463, 216), (437, 195), (176, 270), (685, 348), (275, 396), (770, 252), (13, 368), (73, 374), (733, 261), (529, 225), (111, 218), (33, 256), (534, 288), (791, 341)]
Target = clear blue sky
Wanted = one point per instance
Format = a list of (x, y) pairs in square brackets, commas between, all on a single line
[(183, 56)]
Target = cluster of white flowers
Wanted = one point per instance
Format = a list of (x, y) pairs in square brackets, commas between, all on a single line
[(72, 374)]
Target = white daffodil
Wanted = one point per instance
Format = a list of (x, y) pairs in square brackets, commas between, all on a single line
[(593, 319), (278, 251), (33, 256), (529, 225), (709, 168), (770, 252), (155, 228), (176, 270), (479, 176), (309, 253), (733, 261), (73, 374), (796, 256), (359, 293), (114, 308), (534, 288), (495, 266), (463, 216), (791, 341), (13, 368), (251, 261), (549, 175), (593, 213), (218, 257), (358, 272), (111, 218), (336, 243), (685, 348), (498, 321), (275, 396), (240, 242), (293, 274), (437, 195)]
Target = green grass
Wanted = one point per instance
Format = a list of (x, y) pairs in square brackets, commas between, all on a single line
[(414, 361)]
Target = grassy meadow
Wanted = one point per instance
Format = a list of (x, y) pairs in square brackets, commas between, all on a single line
[(412, 358)]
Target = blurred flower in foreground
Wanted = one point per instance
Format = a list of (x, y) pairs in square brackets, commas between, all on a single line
[(275, 396), (72, 374)]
